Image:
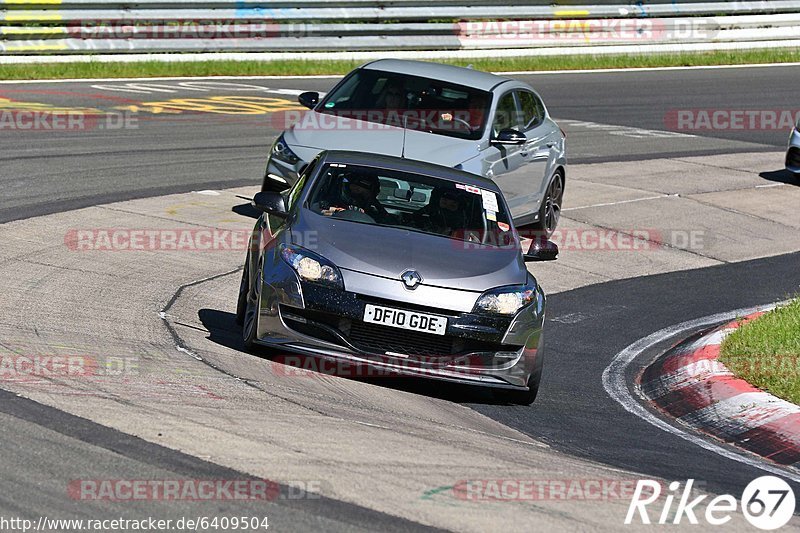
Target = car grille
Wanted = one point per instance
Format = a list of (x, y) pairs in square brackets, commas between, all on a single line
[(793, 157), (382, 339), (379, 339)]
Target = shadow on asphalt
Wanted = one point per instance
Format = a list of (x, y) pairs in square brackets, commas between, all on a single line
[(224, 331), (781, 176)]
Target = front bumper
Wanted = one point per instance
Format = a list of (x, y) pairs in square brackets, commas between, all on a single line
[(793, 153), (281, 175), (325, 322)]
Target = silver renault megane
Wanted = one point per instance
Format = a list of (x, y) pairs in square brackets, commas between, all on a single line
[(490, 125), (402, 265)]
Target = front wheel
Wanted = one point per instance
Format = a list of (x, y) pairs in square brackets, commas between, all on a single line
[(521, 397), (550, 210), (252, 305), (244, 287)]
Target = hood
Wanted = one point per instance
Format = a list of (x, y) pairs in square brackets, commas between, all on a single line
[(388, 252), (322, 131)]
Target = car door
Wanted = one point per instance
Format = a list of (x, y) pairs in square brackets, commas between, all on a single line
[(535, 155), (504, 163)]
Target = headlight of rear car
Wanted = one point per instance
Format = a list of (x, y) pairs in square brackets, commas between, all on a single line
[(282, 152), (505, 300), (311, 267)]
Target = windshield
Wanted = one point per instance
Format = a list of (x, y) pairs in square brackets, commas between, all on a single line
[(416, 103), (414, 202)]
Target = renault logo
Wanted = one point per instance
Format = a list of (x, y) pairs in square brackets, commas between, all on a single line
[(411, 279)]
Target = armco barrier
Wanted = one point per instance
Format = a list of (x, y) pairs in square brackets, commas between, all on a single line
[(148, 26)]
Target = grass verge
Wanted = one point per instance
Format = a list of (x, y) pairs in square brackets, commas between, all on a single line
[(766, 352), (97, 69)]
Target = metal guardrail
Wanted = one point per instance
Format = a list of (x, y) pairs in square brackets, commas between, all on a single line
[(148, 26)]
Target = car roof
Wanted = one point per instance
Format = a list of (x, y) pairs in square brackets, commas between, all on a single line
[(448, 73), (407, 165)]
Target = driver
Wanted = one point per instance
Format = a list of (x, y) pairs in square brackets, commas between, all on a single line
[(359, 193)]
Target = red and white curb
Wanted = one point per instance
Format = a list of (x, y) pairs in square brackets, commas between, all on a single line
[(692, 385)]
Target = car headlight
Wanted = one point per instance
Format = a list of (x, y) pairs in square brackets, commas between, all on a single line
[(311, 267), (506, 300), (282, 152)]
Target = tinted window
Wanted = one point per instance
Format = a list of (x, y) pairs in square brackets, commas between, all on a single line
[(413, 202), (297, 189), (532, 109), (414, 102), (506, 115)]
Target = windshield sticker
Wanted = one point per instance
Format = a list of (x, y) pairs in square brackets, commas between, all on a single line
[(503, 226), (461, 186), (473, 190), (489, 200), (491, 215)]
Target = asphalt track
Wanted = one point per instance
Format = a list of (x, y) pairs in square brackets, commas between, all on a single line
[(47, 172)]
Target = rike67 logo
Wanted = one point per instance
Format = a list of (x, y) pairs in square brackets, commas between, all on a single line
[(767, 503)]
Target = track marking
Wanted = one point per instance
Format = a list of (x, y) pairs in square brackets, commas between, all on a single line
[(615, 385), (337, 76), (624, 131), (607, 204)]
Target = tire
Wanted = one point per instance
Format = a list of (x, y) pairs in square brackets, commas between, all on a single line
[(252, 304), (521, 397), (550, 210), (244, 286)]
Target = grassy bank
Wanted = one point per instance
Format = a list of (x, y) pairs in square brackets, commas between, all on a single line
[(96, 69), (766, 352)]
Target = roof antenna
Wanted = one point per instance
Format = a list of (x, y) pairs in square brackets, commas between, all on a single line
[(405, 126)]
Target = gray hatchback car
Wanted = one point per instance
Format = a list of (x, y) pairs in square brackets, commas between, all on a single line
[(405, 266), (489, 125)]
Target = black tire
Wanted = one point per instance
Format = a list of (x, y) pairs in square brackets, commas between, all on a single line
[(244, 286), (252, 303), (521, 397), (550, 210)]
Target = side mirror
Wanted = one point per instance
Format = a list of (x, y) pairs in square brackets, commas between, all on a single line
[(509, 136), (271, 203), (541, 250), (309, 99)]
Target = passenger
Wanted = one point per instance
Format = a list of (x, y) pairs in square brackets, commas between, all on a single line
[(445, 214)]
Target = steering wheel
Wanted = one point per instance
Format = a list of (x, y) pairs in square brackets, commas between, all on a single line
[(355, 216)]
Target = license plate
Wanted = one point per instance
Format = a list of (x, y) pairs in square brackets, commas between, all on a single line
[(399, 318)]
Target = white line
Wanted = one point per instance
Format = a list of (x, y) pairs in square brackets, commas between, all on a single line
[(621, 202), (175, 78), (616, 387), (647, 69)]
